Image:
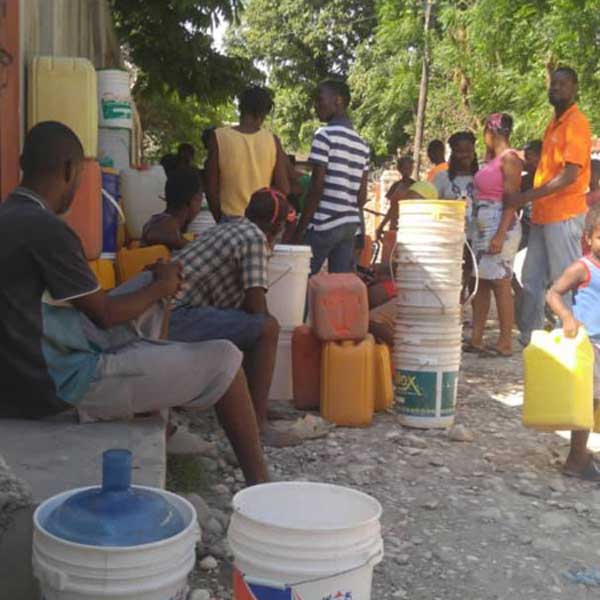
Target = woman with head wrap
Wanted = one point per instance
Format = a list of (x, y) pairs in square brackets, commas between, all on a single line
[(496, 234)]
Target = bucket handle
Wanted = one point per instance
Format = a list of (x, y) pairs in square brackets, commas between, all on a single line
[(289, 270), (119, 210), (432, 290), (372, 561), (476, 273)]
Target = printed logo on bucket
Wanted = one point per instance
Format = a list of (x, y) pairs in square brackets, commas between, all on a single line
[(417, 392), (339, 596), (244, 590)]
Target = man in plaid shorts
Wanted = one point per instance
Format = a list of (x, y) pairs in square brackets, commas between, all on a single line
[(224, 296)]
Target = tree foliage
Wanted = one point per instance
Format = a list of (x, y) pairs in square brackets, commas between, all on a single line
[(299, 43)]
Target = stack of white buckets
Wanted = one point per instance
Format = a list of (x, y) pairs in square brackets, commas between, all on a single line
[(115, 118), (427, 348), (289, 269)]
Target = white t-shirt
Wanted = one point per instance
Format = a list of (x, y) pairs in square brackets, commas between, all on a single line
[(459, 188)]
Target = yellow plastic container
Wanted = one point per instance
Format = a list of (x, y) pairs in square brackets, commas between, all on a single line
[(104, 269), (348, 382), (64, 89), (559, 382), (384, 392)]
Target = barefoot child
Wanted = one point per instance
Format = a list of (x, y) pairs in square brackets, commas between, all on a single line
[(583, 279)]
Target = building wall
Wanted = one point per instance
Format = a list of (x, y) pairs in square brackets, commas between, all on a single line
[(10, 91)]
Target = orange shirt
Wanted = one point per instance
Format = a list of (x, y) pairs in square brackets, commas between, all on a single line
[(568, 139), (435, 170)]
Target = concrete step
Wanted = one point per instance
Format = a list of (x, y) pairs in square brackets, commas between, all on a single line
[(54, 455)]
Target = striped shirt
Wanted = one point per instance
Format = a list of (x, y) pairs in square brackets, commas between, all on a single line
[(345, 156)]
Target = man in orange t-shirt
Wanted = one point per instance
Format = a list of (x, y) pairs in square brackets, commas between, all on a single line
[(436, 152), (558, 197)]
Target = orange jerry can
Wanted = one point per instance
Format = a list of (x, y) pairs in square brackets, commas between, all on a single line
[(384, 393), (104, 269), (339, 306), (348, 382), (85, 214), (306, 368)]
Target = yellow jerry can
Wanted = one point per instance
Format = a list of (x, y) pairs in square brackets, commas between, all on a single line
[(559, 382), (384, 392), (348, 382), (65, 89)]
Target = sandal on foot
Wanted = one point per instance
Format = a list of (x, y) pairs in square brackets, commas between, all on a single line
[(470, 349), (589, 473), (490, 352)]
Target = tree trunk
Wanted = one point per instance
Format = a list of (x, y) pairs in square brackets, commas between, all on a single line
[(422, 106)]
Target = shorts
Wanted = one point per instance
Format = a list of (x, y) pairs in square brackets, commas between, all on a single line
[(487, 217), (150, 375), (199, 324)]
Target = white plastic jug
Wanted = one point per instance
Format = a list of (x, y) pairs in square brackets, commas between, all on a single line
[(142, 193)]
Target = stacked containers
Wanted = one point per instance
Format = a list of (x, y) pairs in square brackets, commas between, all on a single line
[(115, 117), (339, 311), (288, 276), (428, 328)]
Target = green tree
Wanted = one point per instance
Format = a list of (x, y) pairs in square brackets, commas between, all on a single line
[(299, 43)]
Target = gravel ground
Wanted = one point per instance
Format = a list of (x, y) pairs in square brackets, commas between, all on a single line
[(491, 518)]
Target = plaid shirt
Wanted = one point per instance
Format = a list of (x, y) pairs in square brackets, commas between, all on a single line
[(222, 264)]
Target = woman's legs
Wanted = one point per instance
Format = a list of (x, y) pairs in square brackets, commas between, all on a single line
[(506, 313), (481, 307)]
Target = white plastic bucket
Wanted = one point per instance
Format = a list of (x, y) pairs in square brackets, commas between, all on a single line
[(289, 269), (142, 193), (114, 99), (157, 571), (114, 148), (282, 386), (318, 539), (203, 221), (428, 294)]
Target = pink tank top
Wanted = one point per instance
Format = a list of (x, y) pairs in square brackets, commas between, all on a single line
[(489, 180)]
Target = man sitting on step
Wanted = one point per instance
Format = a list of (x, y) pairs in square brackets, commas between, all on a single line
[(65, 343)]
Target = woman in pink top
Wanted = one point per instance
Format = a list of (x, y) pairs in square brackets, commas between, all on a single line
[(496, 235)]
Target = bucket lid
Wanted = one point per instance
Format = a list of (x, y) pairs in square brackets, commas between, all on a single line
[(292, 249), (115, 514)]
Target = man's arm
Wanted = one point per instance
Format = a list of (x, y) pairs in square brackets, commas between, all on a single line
[(255, 301), (280, 173), (167, 234), (570, 280), (212, 178), (315, 192), (565, 178), (107, 311)]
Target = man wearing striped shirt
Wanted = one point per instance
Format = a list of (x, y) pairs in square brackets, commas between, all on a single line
[(340, 157)]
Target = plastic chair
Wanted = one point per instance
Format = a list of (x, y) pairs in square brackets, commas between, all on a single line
[(132, 262)]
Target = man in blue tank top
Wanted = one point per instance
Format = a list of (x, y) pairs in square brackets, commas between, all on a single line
[(583, 279)]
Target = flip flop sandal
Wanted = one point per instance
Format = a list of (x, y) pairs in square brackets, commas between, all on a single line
[(470, 349), (488, 352), (590, 473)]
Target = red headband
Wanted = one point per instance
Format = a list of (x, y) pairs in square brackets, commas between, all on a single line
[(277, 197)]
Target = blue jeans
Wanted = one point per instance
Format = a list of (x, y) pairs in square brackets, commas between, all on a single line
[(200, 324), (551, 249), (334, 245)]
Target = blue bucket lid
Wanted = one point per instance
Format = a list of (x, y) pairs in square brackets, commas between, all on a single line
[(115, 514)]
